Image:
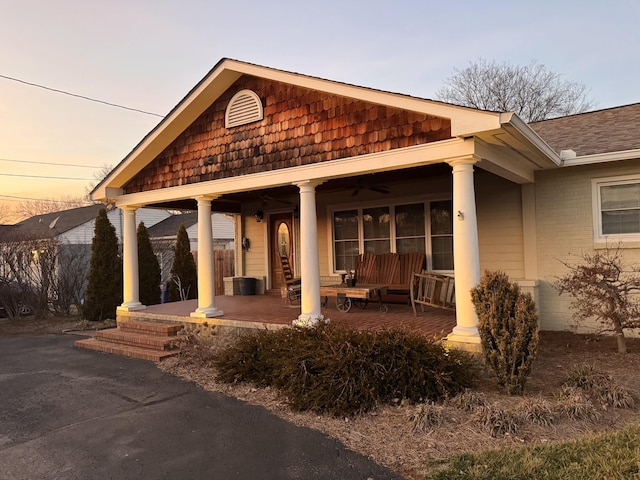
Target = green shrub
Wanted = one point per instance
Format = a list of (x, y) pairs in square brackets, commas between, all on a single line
[(104, 287), (508, 327), (149, 274), (346, 372)]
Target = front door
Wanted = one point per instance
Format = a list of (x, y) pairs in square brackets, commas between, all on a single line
[(281, 240)]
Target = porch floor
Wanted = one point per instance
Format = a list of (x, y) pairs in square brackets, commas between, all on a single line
[(271, 310)]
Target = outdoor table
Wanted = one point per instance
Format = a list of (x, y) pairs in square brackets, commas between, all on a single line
[(359, 295)]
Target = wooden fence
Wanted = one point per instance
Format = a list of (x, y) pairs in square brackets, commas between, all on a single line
[(224, 261)]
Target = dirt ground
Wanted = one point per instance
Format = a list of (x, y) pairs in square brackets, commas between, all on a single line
[(389, 436)]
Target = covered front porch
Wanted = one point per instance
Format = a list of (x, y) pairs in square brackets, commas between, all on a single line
[(271, 311)]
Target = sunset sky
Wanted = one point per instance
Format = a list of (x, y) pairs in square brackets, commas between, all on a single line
[(147, 55)]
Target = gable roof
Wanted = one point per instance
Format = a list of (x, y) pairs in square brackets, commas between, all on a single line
[(464, 121), (603, 131), (43, 226)]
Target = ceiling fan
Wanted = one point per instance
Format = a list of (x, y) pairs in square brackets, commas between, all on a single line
[(374, 188)]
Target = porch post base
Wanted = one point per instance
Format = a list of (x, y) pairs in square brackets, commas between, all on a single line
[(207, 312), (309, 320), (131, 307), (464, 338)]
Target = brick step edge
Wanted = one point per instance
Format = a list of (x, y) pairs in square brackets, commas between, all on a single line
[(150, 328), (135, 339), (124, 350)]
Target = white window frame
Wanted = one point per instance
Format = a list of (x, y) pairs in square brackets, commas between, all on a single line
[(391, 204), (596, 186)]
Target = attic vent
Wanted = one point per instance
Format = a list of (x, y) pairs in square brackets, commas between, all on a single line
[(244, 107)]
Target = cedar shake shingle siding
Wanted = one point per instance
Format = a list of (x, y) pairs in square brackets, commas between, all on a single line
[(300, 127)]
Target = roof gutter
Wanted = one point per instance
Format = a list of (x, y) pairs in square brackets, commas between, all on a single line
[(513, 120)]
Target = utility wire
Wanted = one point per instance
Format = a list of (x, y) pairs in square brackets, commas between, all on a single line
[(49, 163), (13, 198), (79, 96), (44, 176)]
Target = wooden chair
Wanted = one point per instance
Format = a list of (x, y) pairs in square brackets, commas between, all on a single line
[(366, 270), (432, 290), (292, 283)]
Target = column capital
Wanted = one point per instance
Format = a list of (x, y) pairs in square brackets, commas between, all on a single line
[(206, 198), (128, 208), (470, 160), (308, 184)]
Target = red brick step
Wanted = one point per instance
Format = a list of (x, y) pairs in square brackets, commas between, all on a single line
[(136, 339)]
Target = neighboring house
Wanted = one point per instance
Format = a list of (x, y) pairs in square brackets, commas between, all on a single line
[(73, 228), (324, 171), (163, 236)]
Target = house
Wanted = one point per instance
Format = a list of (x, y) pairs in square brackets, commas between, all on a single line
[(321, 171), (73, 229)]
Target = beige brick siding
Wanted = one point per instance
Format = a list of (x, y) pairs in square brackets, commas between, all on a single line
[(565, 229)]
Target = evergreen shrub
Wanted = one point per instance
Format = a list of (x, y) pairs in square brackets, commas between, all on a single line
[(344, 372), (508, 327)]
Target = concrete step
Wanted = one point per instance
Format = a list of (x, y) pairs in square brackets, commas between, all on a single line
[(125, 350), (137, 339), (150, 328)]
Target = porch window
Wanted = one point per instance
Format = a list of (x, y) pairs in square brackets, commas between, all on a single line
[(410, 228), (377, 234), (441, 235), (617, 208), (345, 228), (425, 227)]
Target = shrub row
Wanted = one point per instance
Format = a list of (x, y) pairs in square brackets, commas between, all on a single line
[(345, 372)]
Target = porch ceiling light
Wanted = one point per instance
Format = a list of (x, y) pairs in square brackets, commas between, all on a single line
[(259, 216)]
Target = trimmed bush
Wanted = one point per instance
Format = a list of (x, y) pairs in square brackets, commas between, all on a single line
[(104, 288), (148, 269), (343, 372), (508, 327), (184, 275)]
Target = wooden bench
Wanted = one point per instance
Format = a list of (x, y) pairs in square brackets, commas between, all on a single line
[(433, 290), (392, 269)]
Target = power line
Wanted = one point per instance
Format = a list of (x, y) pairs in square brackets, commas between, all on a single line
[(49, 163), (13, 198), (79, 96), (43, 176)]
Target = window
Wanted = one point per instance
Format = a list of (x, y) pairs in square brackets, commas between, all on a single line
[(416, 227), (617, 208)]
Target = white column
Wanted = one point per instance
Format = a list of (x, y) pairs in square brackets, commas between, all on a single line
[(466, 255), (310, 313), (206, 278), (130, 277)]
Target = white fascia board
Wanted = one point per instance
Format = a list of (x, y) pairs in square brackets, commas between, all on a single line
[(602, 158), (408, 157), (512, 119)]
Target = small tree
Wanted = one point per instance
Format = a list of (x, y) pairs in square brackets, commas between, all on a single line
[(104, 289), (508, 327), (148, 268), (606, 289), (184, 275)]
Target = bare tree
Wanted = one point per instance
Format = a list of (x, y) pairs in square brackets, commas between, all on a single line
[(32, 208), (604, 287), (99, 176), (42, 274), (531, 91)]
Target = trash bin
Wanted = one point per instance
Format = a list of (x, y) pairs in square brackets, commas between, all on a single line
[(247, 285)]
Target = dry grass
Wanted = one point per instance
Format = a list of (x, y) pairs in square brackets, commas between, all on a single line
[(405, 437)]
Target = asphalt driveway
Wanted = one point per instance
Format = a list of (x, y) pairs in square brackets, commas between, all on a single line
[(67, 413)]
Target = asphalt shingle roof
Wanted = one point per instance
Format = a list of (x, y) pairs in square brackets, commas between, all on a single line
[(611, 130)]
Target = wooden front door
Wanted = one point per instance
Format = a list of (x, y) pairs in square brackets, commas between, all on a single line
[(281, 241)]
